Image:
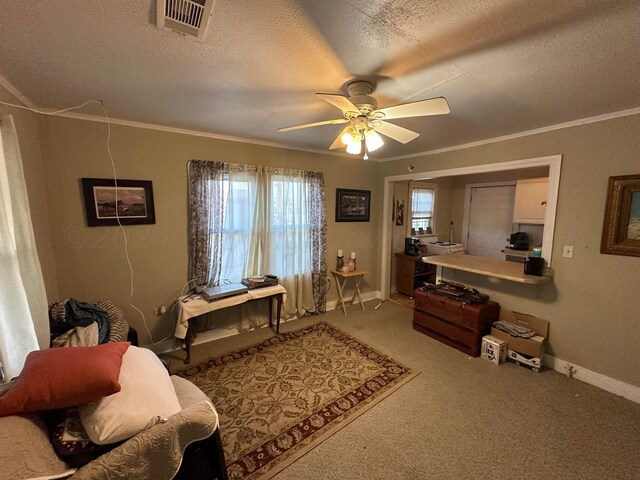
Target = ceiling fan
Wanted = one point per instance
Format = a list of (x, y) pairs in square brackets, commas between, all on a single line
[(365, 121)]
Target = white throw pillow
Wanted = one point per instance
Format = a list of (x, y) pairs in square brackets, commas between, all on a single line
[(146, 393)]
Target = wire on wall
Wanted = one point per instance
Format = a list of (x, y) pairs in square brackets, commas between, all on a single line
[(115, 180)]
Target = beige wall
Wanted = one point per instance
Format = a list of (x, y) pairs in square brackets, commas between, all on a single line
[(32, 164), (91, 261), (592, 302)]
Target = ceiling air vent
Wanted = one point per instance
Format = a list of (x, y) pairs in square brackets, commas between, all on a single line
[(187, 17)]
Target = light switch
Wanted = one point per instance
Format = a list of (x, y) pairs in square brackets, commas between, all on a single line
[(567, 251)]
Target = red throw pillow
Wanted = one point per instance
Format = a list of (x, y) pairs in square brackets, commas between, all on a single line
[(64, 377)]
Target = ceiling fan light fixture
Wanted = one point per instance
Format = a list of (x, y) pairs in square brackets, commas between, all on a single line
[(373, 140), (365, 122), (354, 148)]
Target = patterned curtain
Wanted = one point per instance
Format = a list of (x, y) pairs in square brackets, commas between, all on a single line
[(318, 230), (206, 221)]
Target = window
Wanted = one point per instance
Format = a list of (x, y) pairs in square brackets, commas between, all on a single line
[(239, 199), (423, 199), (284, 237), (252, 220)]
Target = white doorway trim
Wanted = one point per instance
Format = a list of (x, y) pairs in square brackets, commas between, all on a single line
[(554, 162)]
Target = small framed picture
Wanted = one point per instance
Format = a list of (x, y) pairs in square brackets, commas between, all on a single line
[(130, 202), (621, 228), (399, 213), (352, 205)]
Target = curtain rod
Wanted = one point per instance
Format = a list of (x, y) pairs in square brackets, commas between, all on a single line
[(256, 168)]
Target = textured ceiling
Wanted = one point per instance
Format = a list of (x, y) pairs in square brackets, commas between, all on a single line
[(505, 66)]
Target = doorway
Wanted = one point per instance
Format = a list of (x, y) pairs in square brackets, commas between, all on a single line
[(489, 220), (553, 162)]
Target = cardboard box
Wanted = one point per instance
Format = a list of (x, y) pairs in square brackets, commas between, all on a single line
[(493, 349), (534, 363), (531, 347)]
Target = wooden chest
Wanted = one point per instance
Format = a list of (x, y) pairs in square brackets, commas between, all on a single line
[(453, 322)]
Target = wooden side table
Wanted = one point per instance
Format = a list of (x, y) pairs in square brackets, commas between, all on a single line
[(341, 279)]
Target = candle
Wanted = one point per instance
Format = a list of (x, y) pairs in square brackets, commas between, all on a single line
[(353, 254), (340, 253)]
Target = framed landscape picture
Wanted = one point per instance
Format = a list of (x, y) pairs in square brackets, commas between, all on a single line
[(352, 205), (621, 228), (130, 203)]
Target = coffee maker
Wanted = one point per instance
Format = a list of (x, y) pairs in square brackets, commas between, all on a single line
[(412, 246), (519, 241)]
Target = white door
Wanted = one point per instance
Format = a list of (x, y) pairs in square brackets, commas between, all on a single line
[(490, 220)]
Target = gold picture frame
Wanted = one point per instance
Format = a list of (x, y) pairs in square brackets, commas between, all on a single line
[(621, 227)]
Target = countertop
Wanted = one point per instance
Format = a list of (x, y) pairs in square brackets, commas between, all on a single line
[(511, 251), (486, 266)]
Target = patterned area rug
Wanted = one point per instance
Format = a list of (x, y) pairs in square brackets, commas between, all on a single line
[(279, 399)]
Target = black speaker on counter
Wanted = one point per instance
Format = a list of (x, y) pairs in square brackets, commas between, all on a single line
[(533, 266)]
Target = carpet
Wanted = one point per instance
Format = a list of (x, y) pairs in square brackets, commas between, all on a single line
[(279, 399)]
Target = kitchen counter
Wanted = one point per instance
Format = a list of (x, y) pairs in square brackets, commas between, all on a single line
[(485, 266)]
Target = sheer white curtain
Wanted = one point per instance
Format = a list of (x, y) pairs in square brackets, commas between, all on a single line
[(240, 191), (287, 238), (266, 230), (24, 322)]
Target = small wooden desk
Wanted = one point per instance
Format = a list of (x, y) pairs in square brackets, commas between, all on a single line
[(341, 280), (192, 307)]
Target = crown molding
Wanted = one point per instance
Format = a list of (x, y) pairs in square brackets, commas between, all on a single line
[(16, 93), (526, 133), (151, 126), (197, 133)]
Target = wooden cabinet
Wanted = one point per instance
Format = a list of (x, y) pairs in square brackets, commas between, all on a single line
[(531, 200), (411, 272)]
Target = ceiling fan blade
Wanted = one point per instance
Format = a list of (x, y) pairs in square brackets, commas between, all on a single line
[(433, 106), (400, 134), (337, 143), (315, 124), (343, 103)]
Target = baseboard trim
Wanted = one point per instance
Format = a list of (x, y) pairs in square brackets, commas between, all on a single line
[(173, 344), (165, 346), (617, 387)]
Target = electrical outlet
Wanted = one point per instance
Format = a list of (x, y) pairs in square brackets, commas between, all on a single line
[(567, 251), (161, 310), (571, 370)]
